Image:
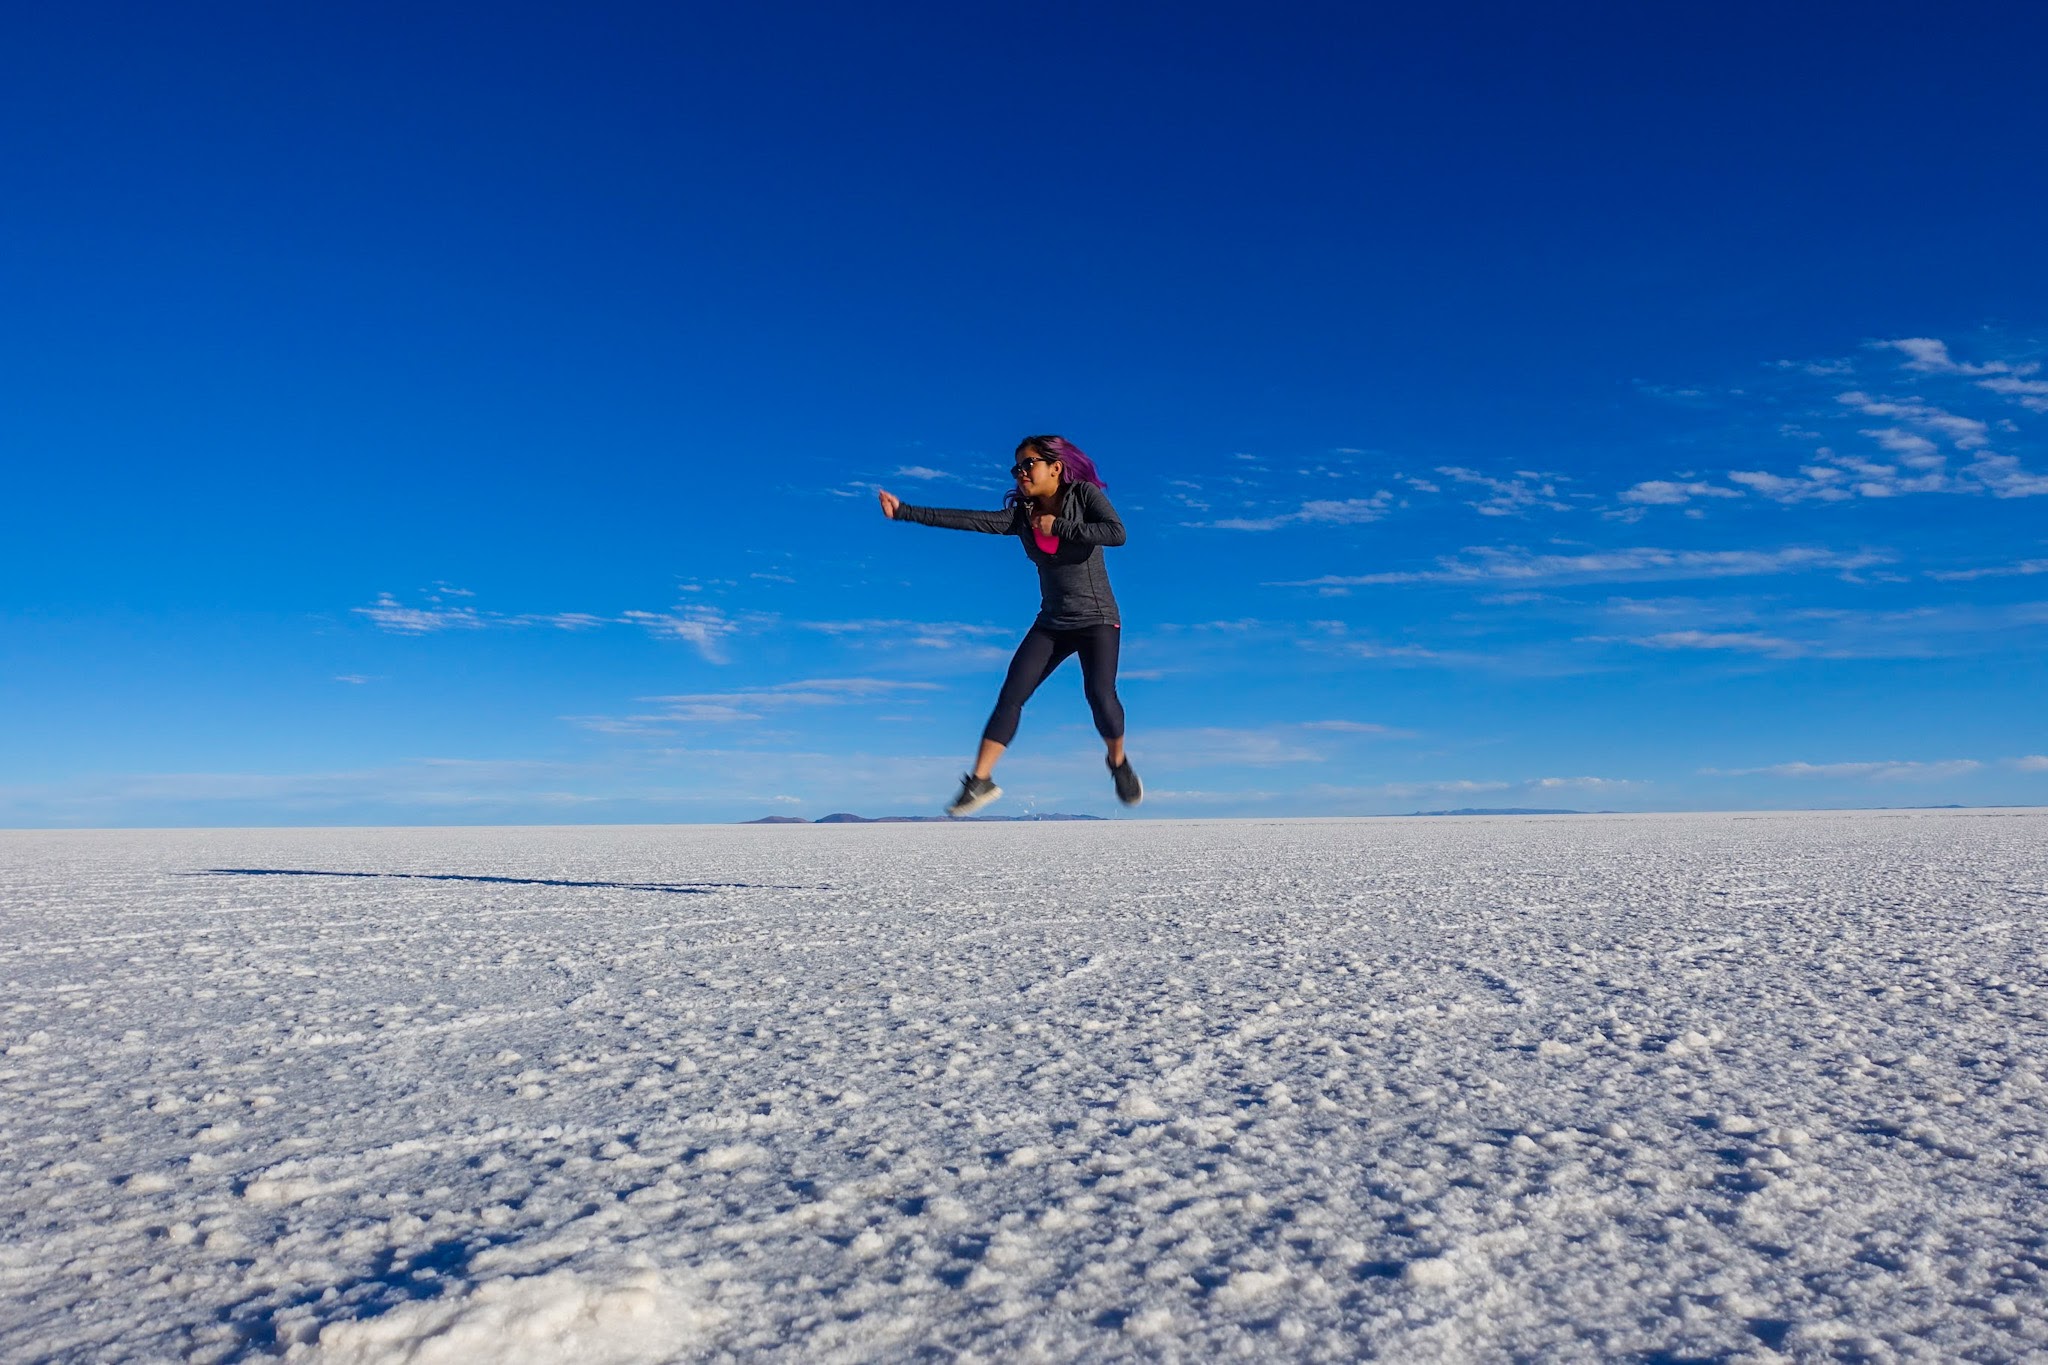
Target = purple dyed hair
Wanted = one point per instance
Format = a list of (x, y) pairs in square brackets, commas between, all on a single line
[(1075, 466)]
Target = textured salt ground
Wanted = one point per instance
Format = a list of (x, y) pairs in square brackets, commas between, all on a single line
[(1657, 1088)]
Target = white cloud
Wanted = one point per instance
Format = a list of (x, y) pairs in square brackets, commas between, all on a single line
[(1196, 797), (661, 725), (1357, 727), (2006, 478), (1348, 512), (1486, 564), (1368, 649), (1815, 482), (1823, 368), (1912, 441), (1509, 497), (1929, 356), (357, 679), (2031, 763), (431, 783), (1211, 744), (2007, 379), (1742, 641), (2022, 568), (1844, 475), (1665, 493), (1236, 626), (1476, 787), (1890, 770), (402, 620), (563, 620), (806, 692), (725, 708), (705, 627), (1964, 433), (918, 471), (1454, 787), (1766, 627), (2031, 394), (1915, 451), (1457, 787), (923, 634), (701, 625)]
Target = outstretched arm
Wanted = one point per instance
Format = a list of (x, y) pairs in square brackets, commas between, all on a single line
[(1099, 523), (1001, 523)]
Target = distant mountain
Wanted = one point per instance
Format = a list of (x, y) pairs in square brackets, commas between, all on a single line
[(1505, 810), (844, 818)]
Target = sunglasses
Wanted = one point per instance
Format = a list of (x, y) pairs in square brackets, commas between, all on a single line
[(1023, 467)]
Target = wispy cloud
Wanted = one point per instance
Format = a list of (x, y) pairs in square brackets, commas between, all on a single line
[(1666, 493), (1528, 490), (1740, 641), (2006, 477), (1916, 445), (456, 785), (705, 627), (750, 704), (2031, 394), (1215, 745), (923, 634), (647, 783), (389, 614), (1964, 433), (1323, 511), (2022, 568), (1208, 798), (1887, 770), (1765, 628), (1928, 355), (919, 471), (1338, 637), (1456, 787), (1453, 787), (1358, 727), (1821, 483), (1488, 564), (562, 620), (1374, 649)]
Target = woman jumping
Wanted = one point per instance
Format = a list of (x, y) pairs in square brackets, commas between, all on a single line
[(1062, 516)]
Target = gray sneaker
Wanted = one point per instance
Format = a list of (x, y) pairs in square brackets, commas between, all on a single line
[(1129, 789), (975, 792)]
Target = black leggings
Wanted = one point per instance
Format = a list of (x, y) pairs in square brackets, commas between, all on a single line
[(1042, 651)]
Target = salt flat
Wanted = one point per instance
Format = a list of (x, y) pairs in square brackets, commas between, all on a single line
[(1653, 1087)]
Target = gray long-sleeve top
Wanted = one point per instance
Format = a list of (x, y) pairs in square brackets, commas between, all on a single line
[(1073, 583)]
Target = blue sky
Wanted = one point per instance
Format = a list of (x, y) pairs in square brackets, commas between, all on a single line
[(460, 415)]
